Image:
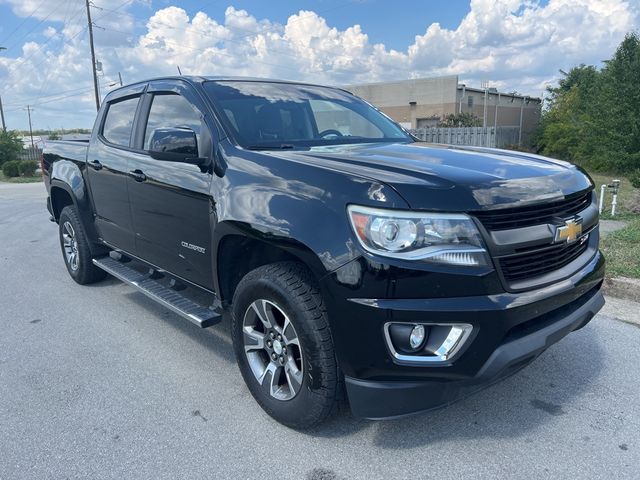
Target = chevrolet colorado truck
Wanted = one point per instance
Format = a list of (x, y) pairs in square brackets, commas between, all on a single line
[(352, 260)]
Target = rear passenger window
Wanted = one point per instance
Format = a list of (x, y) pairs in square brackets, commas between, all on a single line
[(119, 122)]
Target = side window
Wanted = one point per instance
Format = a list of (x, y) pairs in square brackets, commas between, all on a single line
[(172, 111), (119, 121)]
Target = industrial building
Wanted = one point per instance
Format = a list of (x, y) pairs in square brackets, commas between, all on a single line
[(424, 102)]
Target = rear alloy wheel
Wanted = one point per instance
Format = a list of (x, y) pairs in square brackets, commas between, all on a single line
[(283, 345), (70, 246), (75, 248)]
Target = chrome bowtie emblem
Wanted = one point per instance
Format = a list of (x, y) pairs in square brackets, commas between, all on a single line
[(569, 232)]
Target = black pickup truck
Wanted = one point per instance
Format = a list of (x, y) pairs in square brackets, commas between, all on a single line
[(351, 257)]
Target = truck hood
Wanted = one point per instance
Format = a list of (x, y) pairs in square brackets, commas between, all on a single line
[(441, 177)]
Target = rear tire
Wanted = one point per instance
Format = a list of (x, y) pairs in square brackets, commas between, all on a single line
[(287, 362), (75, 248)]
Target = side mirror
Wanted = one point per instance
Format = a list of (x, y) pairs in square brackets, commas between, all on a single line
[(175, 145)]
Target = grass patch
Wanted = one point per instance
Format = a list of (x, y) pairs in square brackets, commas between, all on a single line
[(624, 196), (37, 178), (622, 250)]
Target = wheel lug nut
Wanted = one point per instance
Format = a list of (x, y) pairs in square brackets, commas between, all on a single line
[(279, 337), (274, 356), (284, 349), (281, 360), (269, 343), (272, 335)]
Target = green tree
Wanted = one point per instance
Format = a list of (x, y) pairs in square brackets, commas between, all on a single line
[(621, 101), (54, 136), (592, 116), (10, 146)]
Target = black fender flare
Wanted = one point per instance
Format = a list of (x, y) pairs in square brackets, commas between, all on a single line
[(66, 176)]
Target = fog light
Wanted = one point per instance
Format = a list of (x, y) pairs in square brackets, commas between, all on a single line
[(407, 337), (417, 337), (412, 344)]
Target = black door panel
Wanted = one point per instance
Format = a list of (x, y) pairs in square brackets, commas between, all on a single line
[(108, 159), (110, 195), (171, 217)]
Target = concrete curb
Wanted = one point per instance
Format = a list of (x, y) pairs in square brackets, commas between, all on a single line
[(623, 287)]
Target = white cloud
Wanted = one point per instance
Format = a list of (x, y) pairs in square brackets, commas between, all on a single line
[(517, 44)]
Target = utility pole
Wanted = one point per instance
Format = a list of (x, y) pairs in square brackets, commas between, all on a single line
[(4, 126), (33, 147), (120, 78), (485, 85), (93, 56), (520, 127)]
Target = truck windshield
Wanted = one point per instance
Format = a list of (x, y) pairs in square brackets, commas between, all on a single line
[(271, 115)]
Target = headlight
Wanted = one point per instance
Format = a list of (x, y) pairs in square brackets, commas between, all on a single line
[(445, 238)]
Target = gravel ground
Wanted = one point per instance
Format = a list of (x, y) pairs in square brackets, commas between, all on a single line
[(100, 382)]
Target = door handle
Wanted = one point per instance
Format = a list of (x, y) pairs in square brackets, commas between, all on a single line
[(138, 175), (96, 165)]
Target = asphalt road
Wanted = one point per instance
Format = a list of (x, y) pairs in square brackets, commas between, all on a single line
[(100, 382)]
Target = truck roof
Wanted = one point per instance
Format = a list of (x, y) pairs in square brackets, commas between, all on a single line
[(204, 78)]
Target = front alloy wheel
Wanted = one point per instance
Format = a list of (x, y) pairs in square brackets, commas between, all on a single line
[(282, 341), (273, 350)]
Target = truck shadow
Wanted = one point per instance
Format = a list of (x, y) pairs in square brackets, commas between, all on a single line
[(216, 339), (544, 391)]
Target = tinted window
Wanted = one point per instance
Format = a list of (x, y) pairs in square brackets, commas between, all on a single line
[(171, 111), (282, 115), (119, 122)]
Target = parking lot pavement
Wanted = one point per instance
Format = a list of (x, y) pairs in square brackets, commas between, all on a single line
[(100, 382)]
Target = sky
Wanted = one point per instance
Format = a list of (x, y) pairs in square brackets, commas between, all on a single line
[(515, 45)]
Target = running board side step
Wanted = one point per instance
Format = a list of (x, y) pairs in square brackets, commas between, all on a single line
[(170, 298)]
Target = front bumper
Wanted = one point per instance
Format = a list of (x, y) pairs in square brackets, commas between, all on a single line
[(510, 330), (378, 399)]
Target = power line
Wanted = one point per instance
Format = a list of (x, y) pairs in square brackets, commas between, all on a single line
[(33, 100), (67, 19), (216, 52), (59, 97), (32, 29), (23, 21), (40, 46)]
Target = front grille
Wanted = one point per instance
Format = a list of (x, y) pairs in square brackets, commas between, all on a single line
[(519, 217), (535, 262)]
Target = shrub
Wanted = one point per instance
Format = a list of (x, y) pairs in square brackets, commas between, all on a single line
[(10, 146), (11, 168), (28, 168), (634, 178)]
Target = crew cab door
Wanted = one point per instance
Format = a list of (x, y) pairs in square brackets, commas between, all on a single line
[(108, 166), (170, 201)]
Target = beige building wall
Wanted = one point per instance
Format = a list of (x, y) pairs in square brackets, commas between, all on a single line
[(425, 101), (408, 100)]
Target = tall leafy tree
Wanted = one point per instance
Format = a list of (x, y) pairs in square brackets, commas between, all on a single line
[(593, 116)]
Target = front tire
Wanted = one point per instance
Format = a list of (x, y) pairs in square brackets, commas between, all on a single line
[(283, 344), (75, 248)]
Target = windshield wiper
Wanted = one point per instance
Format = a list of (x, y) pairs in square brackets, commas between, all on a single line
[(283, 146)]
